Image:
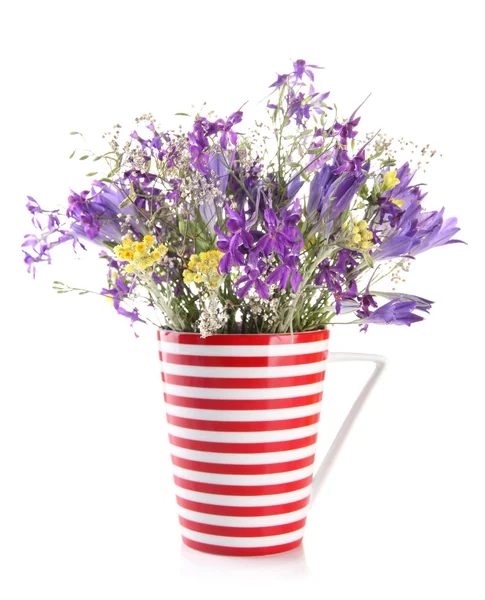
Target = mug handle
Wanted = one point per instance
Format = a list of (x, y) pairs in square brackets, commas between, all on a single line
[(380, 363)]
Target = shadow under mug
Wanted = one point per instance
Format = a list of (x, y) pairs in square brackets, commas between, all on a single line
[(243, 412)]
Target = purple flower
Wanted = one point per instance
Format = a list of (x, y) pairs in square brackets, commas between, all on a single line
[(350, 165), (337, 277), (393, 202), (331, 193), (117, 297), (346, 130), (398, 311), (95, 214), (301, 68), (421, 303), (367, 302), (283, 272), (281, 80), (254, 270), (34, 208), (231, 245), (276, 238), (203, 129), (300, 107), (417, 231), (227, 131)]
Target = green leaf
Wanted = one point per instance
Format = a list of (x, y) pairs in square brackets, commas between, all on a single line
[(72, 154), (75, 133), (106, 180), (368, 260), (201, 245), (97, 158), (181, 114), (84, 157), (126, 202), (91, 173)]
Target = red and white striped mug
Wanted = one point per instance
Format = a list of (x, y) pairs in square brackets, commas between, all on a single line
[(243, 414)]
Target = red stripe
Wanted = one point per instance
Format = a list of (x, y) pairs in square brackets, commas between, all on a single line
[(227, 551), (242, 531), (203, 467), (239, 382), (242, 490), (242, 361), (231, 448), (244, 339), (243, 426), (207, 404), (243, 511)]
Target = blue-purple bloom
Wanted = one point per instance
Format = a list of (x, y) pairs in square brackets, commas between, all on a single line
[(203, 129), (95, 217), (254, 270), (397, 311), (239, 238), (331, 193), (416, 232), (288, 269), (338, 277)]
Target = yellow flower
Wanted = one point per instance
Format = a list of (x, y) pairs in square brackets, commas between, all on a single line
[(397, 202), (361, 236), (188, 276), (203, 269), (140, 255), (390, 180)]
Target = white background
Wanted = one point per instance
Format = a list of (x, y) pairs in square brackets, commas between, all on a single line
[(86, 498)]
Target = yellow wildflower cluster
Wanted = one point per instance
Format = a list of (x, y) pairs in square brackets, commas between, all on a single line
[(202, 268), (361, 236), (390, 180), (140, 255)]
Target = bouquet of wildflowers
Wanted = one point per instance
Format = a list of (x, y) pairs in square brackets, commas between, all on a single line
[(271, 229)]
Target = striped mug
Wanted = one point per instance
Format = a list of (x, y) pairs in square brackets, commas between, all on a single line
[(243, 413)]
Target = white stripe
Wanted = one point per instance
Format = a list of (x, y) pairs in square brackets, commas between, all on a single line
[(278, 414), (241, 437), (274, 393), (276, 350), (243, 542), (245, 372), (220, 500), (224, 479), (222, 521), (265, 458)]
